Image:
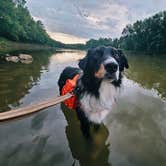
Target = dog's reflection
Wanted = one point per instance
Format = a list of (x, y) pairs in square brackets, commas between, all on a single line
[(87, 152)]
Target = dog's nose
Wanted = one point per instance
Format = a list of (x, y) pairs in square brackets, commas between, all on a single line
[(111, 67)]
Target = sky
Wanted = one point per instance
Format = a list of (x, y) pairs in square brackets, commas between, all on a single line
[(76, 21)]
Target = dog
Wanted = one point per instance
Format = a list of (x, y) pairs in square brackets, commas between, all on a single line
[(97, 87)]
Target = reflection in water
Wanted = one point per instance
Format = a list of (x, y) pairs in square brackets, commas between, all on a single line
[(137, 128), (22, 144), (149, 71), (38, 121), (87, 152), (133, 134), (17, 78)]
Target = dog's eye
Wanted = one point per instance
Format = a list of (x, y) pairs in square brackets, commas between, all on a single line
[(116, 56)]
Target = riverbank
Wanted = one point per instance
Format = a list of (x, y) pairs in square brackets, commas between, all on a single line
[(8, 46)]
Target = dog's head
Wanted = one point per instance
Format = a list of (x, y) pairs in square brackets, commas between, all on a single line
[(104, 63)]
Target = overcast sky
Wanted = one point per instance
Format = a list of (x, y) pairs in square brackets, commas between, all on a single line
[(75, 21)]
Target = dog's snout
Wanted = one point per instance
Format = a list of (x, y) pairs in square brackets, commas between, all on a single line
[(111, 67)]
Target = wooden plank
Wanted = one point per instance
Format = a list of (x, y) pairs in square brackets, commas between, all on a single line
[(27, 110)]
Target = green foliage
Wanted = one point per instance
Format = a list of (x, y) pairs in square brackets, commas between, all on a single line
[(148, 35), (75, 46), (102, 41), (16, 24), (92, 43)]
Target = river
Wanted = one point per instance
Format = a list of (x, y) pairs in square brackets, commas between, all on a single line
[(133, 134)]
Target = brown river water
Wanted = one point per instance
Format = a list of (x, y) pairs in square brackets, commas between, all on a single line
[(134, 134)]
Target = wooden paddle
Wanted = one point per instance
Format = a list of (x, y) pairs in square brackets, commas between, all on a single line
[(27, 110)]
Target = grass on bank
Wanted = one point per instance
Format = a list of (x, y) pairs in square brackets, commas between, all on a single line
[(8, 46)]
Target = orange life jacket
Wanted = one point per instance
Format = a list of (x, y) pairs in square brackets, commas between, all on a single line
[(68, 88)]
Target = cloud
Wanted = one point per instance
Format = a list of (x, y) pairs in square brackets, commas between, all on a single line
[(85, 19), (66, 38)]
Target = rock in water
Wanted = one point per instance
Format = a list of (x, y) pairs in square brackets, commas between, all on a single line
[(14, 59), (25, 58)]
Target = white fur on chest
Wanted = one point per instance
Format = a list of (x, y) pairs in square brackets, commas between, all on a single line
[(96, 109)]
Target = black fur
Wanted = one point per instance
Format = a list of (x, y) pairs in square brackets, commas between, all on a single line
[(68, 73), (88, 82)]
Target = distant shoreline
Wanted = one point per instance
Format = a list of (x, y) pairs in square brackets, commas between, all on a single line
[(8, 46)]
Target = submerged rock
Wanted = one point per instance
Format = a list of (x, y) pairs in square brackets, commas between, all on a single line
[(26, 61)]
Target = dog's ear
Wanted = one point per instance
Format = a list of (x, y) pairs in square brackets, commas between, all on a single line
[(83, 62), (123, 60)]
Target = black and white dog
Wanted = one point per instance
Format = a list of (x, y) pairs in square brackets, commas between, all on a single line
[(96, 89)]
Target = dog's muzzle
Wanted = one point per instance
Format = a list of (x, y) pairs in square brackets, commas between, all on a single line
[(111, 71)]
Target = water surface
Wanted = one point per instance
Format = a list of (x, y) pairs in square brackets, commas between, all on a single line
[(133, 134)]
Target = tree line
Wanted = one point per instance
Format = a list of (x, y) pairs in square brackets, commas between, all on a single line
[(91, 44), (147, 36), (16, 24)]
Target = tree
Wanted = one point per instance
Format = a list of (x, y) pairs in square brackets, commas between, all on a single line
[(148, 35), (18, 25)]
